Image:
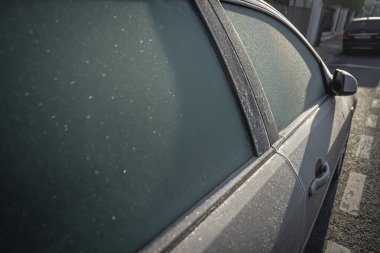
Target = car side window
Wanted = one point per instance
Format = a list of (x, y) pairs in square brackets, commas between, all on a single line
[(289, 73), (116, 119)]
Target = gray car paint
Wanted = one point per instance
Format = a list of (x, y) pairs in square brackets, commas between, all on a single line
[(272, 211), (321, 136), (259, 217)]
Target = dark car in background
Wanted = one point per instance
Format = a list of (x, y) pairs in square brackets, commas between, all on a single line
[(362, 34), (156, 126)]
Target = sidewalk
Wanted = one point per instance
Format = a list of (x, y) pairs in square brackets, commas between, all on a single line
[(330, 48)]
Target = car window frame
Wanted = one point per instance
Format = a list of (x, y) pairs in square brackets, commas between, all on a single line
[(268, 10)]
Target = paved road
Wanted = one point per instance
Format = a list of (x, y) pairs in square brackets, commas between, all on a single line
[(349, 220)]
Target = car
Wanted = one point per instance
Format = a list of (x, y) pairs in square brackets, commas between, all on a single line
[(155, 126), (362, 34)]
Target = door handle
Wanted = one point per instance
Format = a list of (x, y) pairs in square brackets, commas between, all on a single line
[(318, 182)]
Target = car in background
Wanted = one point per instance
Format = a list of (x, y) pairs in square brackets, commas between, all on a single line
[(362, 34), (156, 126)]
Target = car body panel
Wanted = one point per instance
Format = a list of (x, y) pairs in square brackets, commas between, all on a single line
[(320, 137), (260, 216)]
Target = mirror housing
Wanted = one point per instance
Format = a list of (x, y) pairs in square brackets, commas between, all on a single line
[(343, 83)]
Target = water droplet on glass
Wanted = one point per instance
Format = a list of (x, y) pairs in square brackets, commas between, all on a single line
[(124, 171), (88, 117), (90, 97), (53, 116), (141, 41), (104, 74), (115, 17), (27, 94), (66, 128), (122, 29), (115, 45), (113, 218), (150, 40), (72, 82), (112, 97)]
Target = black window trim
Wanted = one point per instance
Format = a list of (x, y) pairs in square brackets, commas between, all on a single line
[(255, 84), (234, 69)]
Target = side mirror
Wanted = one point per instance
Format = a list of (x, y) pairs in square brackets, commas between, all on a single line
[(343, 83)]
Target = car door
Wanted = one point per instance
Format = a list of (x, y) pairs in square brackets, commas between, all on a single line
[(263, 214), (259, 208), (109, 144), (312, 124)]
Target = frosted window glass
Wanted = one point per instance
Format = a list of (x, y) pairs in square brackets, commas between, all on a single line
[(289, 73), (116, 118)]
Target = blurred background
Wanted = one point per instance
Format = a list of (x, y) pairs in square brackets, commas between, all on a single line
[(320, 20)]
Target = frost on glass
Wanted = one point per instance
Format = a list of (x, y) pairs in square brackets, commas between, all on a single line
[(289, 73), (116, 119)]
